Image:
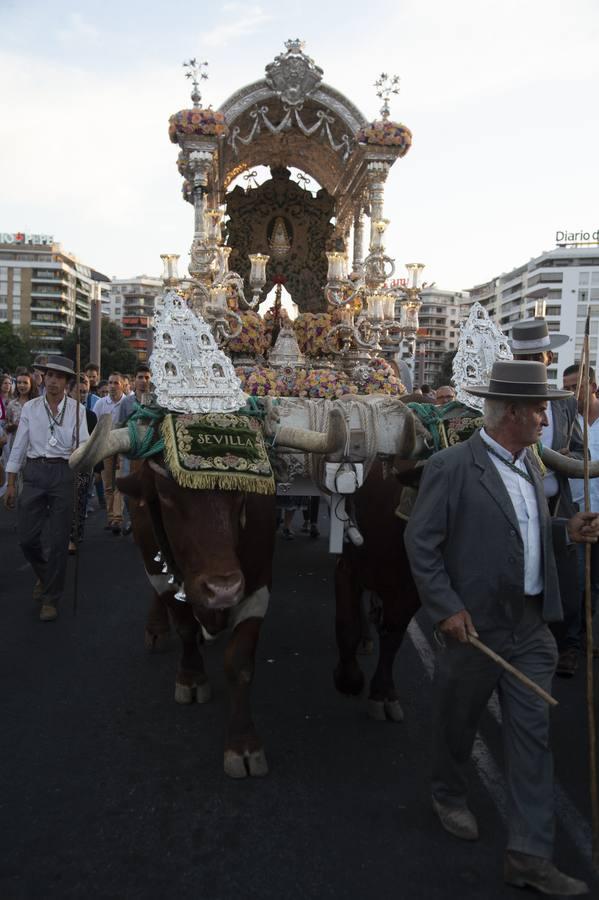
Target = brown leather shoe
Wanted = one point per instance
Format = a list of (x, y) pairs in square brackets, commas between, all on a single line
[(523, 870), (567, 663), (48, 613), (38, 590), (457, 820)]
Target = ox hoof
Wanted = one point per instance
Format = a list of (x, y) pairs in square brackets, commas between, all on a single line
[(376, 710), (393, 710), (240, 765), (187, 693), (383, 710), (203, 692)]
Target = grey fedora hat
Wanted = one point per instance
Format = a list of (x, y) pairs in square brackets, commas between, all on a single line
[(532, 336), (517, 380), (57, 364)]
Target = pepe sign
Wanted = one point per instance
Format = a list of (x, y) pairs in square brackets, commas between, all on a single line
[(22, 237)]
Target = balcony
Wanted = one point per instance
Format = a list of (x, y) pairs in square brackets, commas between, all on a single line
[(57, 310), (48, 293)]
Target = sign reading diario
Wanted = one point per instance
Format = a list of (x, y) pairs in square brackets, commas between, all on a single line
[(572, 237), (21, 237)]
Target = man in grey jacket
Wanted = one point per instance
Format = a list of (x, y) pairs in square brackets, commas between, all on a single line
[(481, 547)]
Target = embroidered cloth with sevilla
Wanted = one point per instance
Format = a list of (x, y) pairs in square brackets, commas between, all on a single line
[(217, 451)]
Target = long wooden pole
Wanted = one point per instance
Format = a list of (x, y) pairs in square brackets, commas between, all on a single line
[(76, 484), (512, 670), (592, 727)]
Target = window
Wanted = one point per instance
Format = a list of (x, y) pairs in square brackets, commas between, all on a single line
[(583, 278), (553, 326), (551, 374), (553, 311), (594, 277)]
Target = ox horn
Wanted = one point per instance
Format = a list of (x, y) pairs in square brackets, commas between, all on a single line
[(104, 442), (566, 465), (330, 441)]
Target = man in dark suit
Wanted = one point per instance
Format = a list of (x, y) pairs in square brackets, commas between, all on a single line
[(481, 547), (531, 340)]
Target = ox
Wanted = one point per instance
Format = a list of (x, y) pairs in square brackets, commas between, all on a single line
[(219, 544)]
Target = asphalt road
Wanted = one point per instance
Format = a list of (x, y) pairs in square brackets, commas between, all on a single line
[(111, 790)]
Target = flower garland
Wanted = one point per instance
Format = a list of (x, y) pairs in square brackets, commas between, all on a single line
[(324, 384), (252, 338), (257, 380), (387, 134), (381, 379), (311, 330), (197, 121)]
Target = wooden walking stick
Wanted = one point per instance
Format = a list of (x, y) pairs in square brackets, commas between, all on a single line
[(76, 483), (592, 728), (512, 670)]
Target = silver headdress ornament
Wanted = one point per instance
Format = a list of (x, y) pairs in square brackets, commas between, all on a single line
[(190, 372), (286, 351), (481, 343)]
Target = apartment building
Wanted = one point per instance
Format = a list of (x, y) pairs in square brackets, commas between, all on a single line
[(438, 331), (566, 282), (131, 304), (44, 288)]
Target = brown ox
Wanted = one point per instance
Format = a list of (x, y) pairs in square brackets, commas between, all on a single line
[(219, 545)]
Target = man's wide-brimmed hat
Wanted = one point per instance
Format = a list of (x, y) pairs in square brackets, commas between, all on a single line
[(518, 380), (56, 364), (532, 336)]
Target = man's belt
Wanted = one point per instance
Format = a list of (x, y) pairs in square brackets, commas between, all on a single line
[(51, 460)]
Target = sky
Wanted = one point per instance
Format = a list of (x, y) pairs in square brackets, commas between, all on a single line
[(501, 99)]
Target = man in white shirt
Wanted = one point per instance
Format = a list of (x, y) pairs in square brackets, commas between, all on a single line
[(481, 545), (112, 404), (48, 432)]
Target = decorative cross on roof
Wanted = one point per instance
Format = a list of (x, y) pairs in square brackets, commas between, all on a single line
[(386, 86), (197, 72)]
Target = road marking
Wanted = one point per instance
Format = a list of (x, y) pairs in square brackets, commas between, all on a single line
[(577, 827)]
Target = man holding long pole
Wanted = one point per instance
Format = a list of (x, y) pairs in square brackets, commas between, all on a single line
[(481, 547)]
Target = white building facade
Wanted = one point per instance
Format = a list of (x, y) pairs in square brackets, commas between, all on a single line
[(438, 332), (567, 280)]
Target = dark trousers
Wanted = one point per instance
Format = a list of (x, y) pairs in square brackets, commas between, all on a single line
[(464, 682), (46, 503)]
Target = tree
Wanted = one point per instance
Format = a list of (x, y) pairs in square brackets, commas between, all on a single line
[(445, 375), (117, 355), (15, 348)]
